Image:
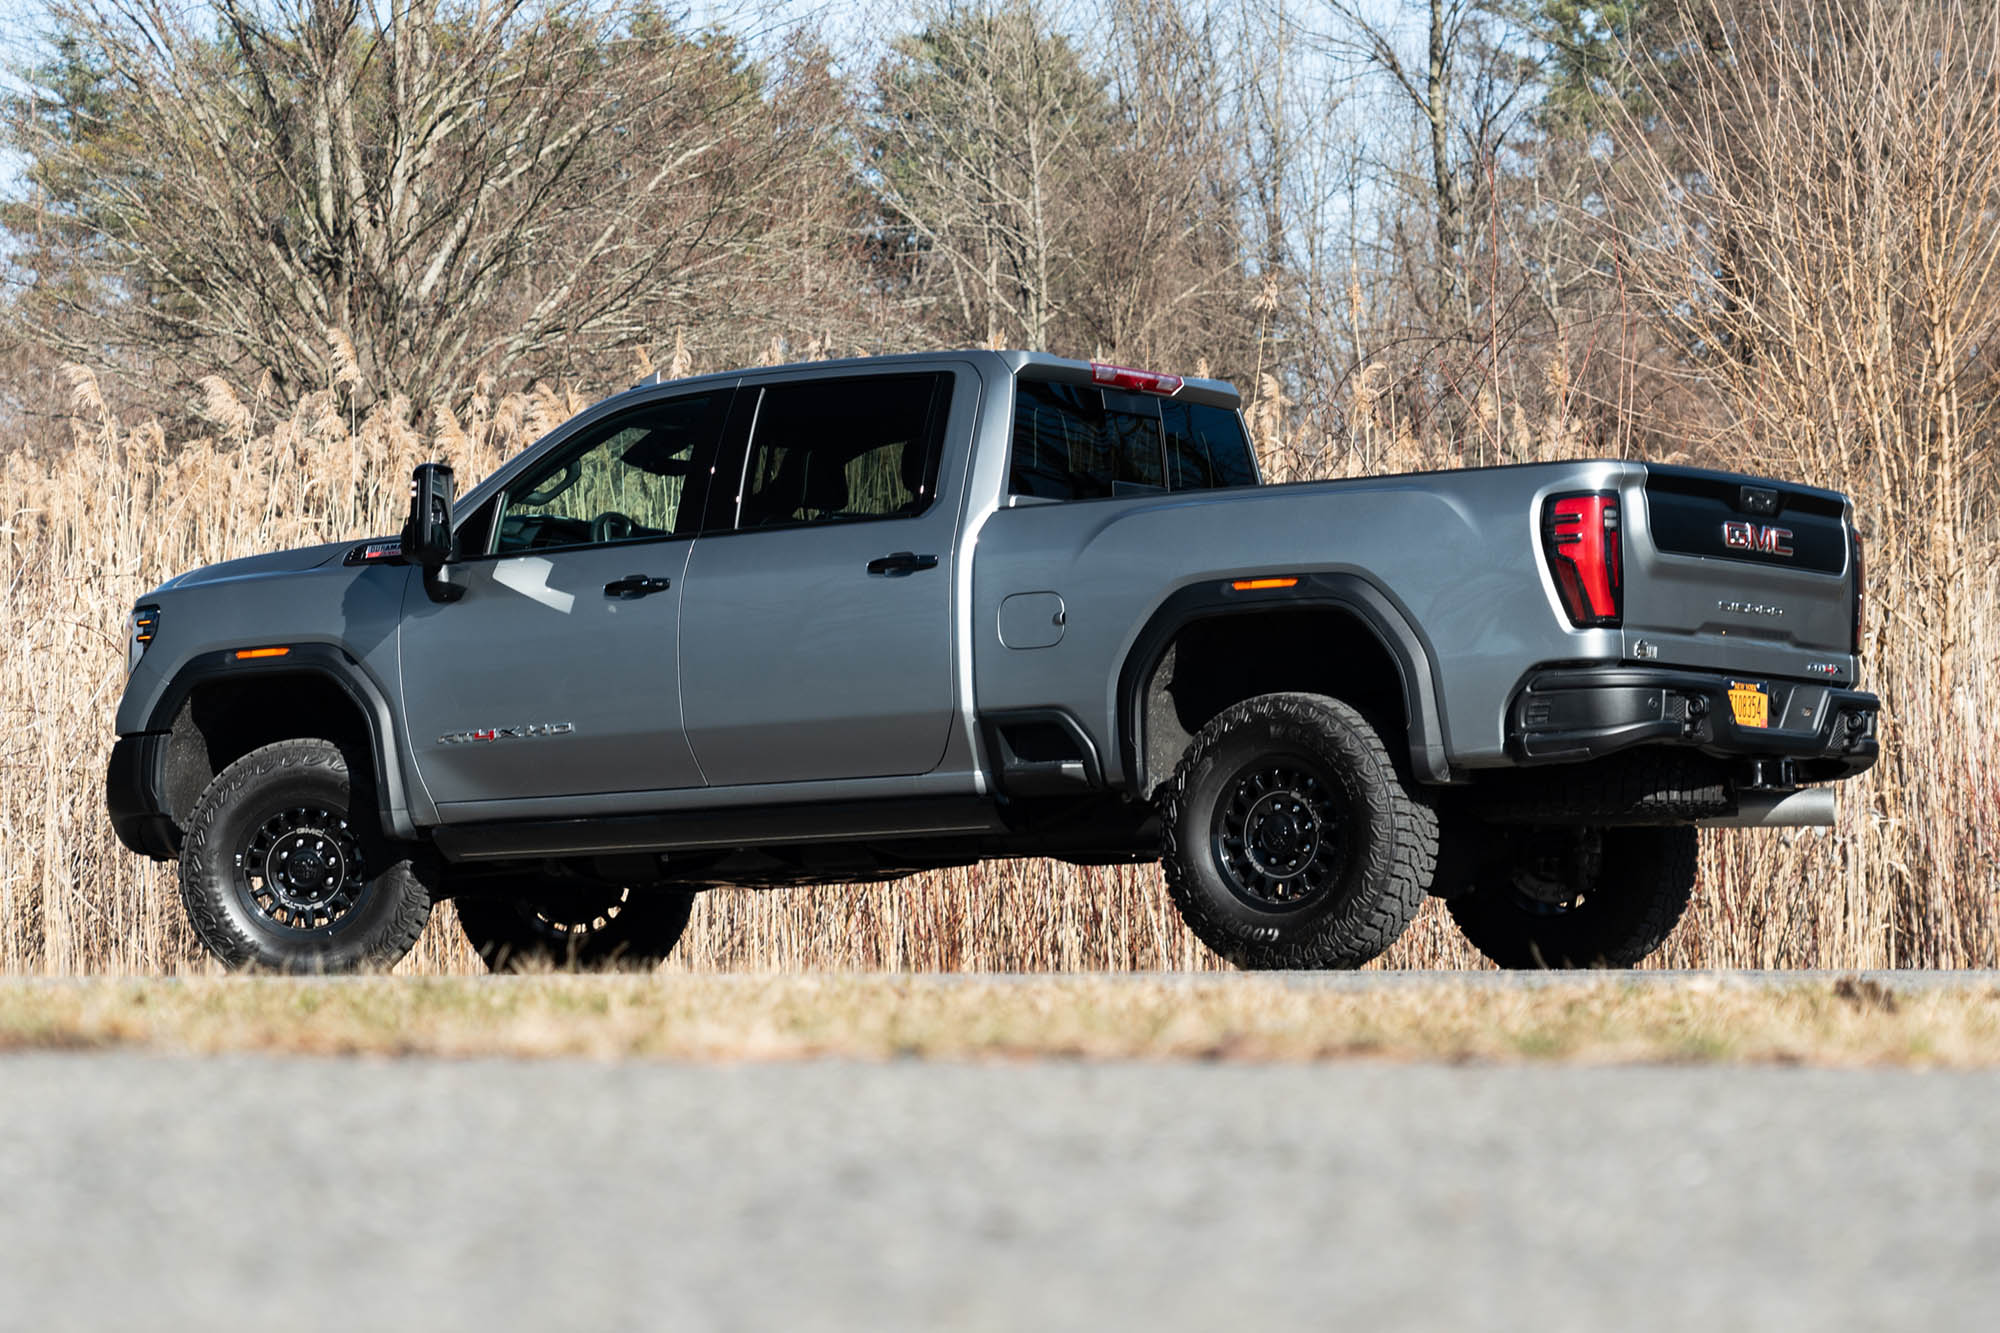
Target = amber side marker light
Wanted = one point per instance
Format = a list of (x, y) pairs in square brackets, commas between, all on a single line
[(1258, 585), (243, 654)]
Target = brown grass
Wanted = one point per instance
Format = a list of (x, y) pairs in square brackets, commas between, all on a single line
[(88, 526), (768, 1017)]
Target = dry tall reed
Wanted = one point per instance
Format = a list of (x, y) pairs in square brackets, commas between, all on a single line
[(88, 525)]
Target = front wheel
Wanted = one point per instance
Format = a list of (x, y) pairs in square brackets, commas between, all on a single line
[(1577, 898), (1291, 839), (534, 924), (285, 867)]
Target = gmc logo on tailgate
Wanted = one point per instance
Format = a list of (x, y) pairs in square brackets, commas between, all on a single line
[(1740, 536)]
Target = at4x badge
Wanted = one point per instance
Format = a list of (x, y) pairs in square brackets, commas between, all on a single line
[(527, 731)]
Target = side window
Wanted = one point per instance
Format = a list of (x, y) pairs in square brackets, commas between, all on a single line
[(624, 479), (1206, 447), (1078, 442), (840, 450)]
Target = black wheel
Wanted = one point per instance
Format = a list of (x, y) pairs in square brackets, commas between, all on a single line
[(285, 867), (533, 924), (1573, 898), (1291, 840)]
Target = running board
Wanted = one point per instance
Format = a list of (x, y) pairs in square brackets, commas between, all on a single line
[(694, 830)]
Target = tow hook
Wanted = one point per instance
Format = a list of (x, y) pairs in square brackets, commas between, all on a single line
[(1768, 795), (1697, 716), (1775, 774)]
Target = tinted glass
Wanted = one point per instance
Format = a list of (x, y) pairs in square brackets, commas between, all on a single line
[(1076, 442), (623, 479), (839, 450), (1206, 447)]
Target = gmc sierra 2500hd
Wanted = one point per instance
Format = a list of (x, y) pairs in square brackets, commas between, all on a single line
[(853, 620)]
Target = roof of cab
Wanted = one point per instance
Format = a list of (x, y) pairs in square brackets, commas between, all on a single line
[(1218, 392)]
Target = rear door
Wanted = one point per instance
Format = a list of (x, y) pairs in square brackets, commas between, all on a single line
[(553, 673), (816, 626)]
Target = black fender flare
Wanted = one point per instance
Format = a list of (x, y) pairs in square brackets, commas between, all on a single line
[(322, 660), (1353, 594)]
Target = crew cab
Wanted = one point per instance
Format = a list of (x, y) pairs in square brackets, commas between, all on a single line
[(852, 620)]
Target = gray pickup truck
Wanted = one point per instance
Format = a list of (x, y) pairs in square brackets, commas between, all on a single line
[(852, 620)]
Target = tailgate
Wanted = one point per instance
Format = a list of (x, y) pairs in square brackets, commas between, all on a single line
[(1740, 573)]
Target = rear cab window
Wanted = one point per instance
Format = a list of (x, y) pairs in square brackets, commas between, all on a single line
[(843, 450), (1206, 447), (1083, 442)]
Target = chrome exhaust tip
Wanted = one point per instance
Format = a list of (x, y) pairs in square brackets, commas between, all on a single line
[(1811, 807)]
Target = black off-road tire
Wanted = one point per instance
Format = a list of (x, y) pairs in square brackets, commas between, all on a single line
[(1639, 893), (535, 924), (1377, 833), (298, 792)]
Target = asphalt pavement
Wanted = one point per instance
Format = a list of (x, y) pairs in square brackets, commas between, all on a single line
[(155, 1192)]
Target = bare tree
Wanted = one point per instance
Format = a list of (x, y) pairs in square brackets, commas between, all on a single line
[(984, 119), (1165, 276), (1083, 205), (389, 197), (1464, 90), (1822, 232)]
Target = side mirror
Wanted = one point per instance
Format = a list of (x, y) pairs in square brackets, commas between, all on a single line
[(427, 536)]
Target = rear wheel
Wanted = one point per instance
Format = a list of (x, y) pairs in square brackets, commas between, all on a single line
[(1576, 898), (1291, 840), (533, 924)]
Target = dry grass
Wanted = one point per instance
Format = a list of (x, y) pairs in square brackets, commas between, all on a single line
[(86, 526), (768, 1017)]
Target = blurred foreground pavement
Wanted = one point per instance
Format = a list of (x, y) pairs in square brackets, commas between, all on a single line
[(305, 1194)]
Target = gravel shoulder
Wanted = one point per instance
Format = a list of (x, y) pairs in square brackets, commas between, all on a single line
[(1913, 1020)]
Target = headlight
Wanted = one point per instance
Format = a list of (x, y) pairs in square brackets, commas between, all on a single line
[(140, 628)]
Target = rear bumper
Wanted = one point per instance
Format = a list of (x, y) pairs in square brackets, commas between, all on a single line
[(1572, 714), (132, 789)]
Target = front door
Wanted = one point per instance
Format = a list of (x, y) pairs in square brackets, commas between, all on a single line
[(816, 636), (553, 674)]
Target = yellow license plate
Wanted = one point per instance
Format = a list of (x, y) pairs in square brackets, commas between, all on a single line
[(1750, 704)]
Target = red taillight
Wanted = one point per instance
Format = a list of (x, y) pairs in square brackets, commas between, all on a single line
[(1580, 540), (1860, 589), (1144, 381)]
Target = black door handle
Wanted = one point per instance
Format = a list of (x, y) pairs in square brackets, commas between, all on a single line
[(636, 585), (901, 563)]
